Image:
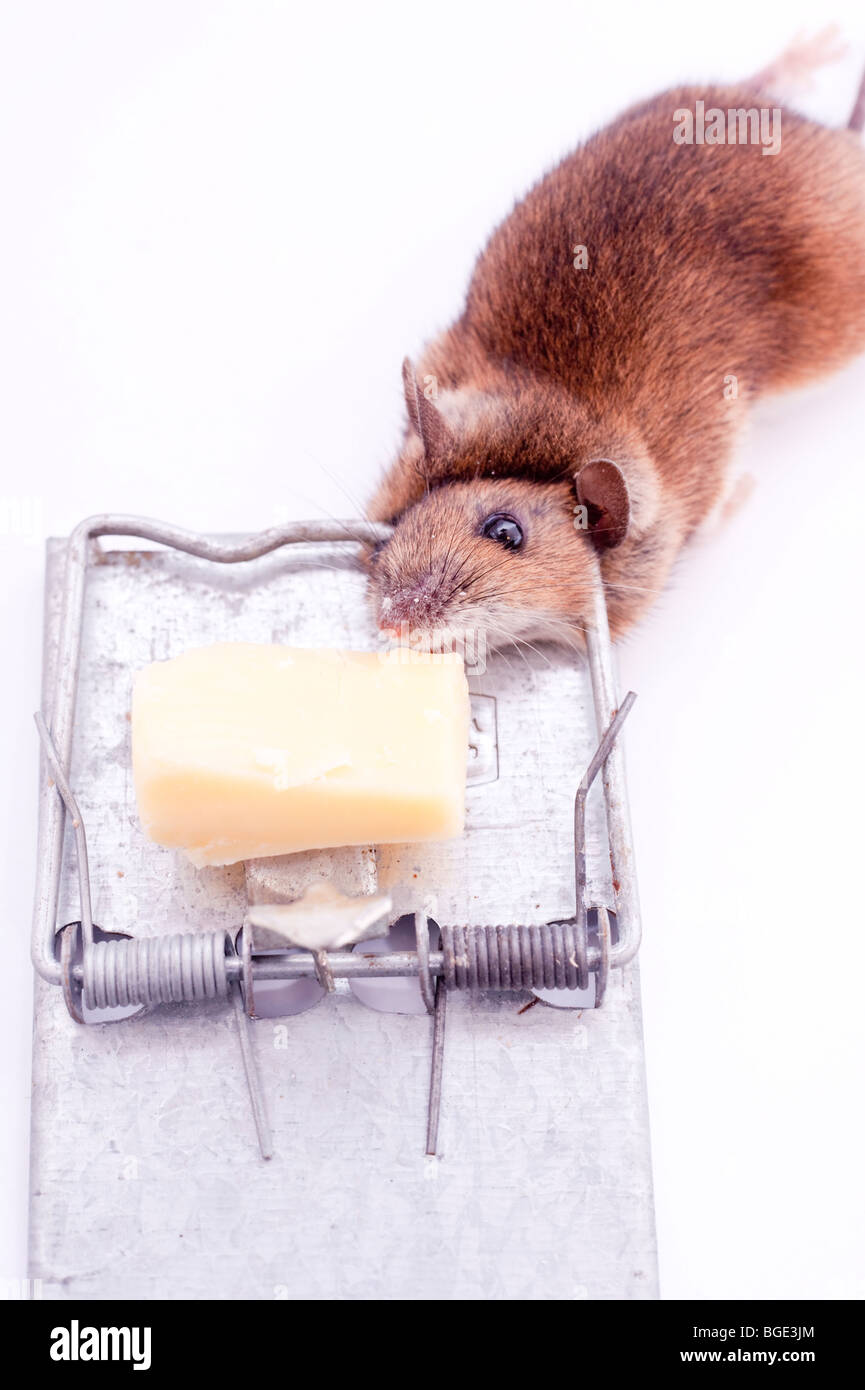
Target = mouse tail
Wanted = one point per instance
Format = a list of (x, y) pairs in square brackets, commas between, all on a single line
[(857, 115), (793, 70)]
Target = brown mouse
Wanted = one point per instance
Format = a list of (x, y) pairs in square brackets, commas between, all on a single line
[(585, 406)]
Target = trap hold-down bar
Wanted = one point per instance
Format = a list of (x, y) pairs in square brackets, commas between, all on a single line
[(191, 966)]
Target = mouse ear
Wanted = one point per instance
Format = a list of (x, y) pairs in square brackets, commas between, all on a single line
[(603, 492), (427, 421)]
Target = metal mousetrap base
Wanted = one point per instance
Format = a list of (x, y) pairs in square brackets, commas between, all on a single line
[(146, 1177)]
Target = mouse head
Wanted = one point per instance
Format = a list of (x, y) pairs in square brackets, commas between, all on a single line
[(497, 532)]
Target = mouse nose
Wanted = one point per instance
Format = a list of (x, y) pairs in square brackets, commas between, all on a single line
[(402, 613), (417, 605)]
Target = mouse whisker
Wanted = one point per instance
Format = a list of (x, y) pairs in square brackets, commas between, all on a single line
[(356, 503)]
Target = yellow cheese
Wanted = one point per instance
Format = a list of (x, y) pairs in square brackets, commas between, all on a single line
[(242, 750)]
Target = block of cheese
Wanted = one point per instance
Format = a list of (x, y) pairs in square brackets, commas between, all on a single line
[(242, 750)]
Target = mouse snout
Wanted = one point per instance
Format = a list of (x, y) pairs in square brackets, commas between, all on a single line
[(416, 604)]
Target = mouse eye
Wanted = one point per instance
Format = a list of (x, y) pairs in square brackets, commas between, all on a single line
[(504, 529)]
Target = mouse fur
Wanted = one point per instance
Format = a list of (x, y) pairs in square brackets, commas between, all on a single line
[(599, 404)]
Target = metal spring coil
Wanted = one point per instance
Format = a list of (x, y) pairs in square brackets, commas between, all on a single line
[(504, 957), (156, 970)]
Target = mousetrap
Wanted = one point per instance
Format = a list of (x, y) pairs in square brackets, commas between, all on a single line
[(387, 1072)]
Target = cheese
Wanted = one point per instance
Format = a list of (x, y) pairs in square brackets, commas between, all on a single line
[(241, 750)]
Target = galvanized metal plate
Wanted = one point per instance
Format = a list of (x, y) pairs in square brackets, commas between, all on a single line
[(146, 1177)]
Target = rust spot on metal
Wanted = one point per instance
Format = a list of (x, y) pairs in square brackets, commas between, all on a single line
[(616, 883)]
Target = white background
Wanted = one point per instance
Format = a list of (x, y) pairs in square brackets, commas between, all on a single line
[(223, 226)]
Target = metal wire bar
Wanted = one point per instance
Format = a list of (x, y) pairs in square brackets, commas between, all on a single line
[(61, 715), (437, 1067), (427, 983), (602, 752), (71, 805), (253, 1078), (622, 861)]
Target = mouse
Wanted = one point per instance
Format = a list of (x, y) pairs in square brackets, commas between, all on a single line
[(577, 422)]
